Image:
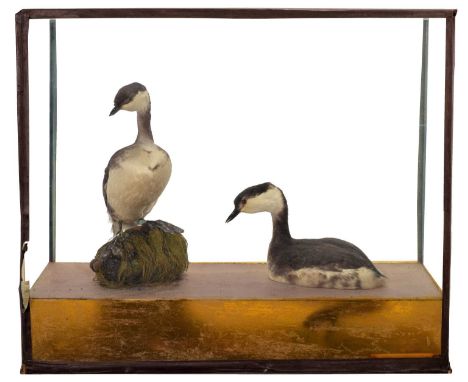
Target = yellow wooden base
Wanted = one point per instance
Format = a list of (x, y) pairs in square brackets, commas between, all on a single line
[(232, 312)]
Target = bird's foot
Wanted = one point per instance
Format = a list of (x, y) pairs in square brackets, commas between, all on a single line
[(165, 226)]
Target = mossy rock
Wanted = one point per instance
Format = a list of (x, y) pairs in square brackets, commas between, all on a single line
[(155, 252)]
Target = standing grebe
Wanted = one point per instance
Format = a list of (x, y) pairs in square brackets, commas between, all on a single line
[(319, 263), (137, 174)]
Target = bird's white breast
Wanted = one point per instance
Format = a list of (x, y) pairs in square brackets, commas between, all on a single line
[(136, 181)]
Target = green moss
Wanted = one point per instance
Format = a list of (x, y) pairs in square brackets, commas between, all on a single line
[(141, 255)]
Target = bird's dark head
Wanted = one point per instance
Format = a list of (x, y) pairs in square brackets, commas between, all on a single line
[(265, 197), (132, 97)]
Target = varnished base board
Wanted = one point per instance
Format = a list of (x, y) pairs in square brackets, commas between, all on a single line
[(229, 312)]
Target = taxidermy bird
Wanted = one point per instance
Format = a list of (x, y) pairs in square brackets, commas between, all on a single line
[(137, 174), (319, 263)]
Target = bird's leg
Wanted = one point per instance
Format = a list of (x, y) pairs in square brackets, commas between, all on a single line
[(116, 227)]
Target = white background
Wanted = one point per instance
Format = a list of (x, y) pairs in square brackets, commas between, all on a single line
[(212, 135)]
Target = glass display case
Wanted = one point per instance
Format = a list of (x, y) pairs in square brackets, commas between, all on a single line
[(350, 111)]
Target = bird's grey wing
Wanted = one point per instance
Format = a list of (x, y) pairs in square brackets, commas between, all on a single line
[(104, 185), (330, 254), (345, 245), (352, 250), (113, 162)]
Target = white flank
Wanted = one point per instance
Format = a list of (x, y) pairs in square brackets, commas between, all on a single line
[(361, 278)]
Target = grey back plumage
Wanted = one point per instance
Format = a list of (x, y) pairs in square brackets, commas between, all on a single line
[(328, 254)]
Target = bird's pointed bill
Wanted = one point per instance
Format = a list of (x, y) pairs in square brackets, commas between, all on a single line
[(233, 215), (114, 110)]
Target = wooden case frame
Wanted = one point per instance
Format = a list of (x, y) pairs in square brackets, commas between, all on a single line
[(394, 365)]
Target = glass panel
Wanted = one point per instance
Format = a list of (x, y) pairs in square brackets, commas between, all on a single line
[(433, 245), (38, 252), (327, 110)]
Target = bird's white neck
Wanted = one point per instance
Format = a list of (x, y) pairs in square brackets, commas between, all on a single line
[(274, 202)]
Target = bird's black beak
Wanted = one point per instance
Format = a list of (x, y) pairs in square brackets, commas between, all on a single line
[(233, 215), (114, 110)]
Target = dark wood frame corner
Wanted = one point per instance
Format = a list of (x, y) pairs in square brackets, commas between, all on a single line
[(397, 365)]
